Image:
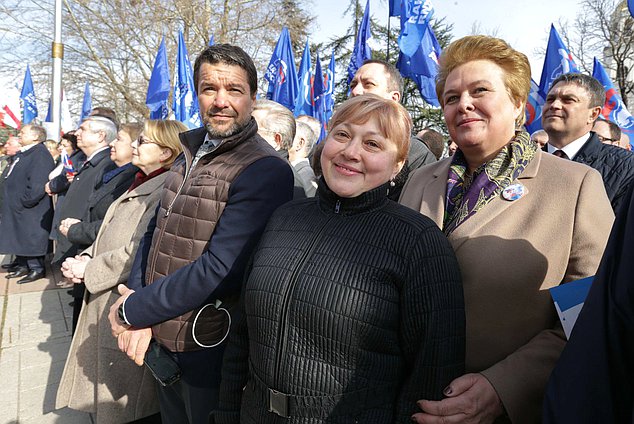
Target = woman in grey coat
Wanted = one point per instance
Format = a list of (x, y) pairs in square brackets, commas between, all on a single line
[(98, 378)]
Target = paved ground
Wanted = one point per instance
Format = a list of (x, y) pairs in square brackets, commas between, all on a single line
[(35, 323)]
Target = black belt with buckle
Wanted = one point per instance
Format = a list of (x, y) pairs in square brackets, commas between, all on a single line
[(278, 403), (287, 406)]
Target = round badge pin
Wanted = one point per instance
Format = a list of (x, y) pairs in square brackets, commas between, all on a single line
[(514, 192)]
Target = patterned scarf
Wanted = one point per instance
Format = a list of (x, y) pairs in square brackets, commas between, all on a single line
[(468, 194)]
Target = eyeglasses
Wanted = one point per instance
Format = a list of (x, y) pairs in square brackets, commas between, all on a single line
[(605, 139), (141, 141)]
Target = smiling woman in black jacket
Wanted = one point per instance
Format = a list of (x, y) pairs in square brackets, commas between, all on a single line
[(353, 306)]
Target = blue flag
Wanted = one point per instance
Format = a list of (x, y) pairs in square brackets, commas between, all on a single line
[(558, 61), (422, 66), (158, 89), (49, 117), (361, 51), (415, 16), (534, 109), (28, 98), (630, 5), (613, 109), (185, 104), (304, 101), (211, 40), (86, 106), (329, 82), (394, 7), (281, 73), (319, 91), (569, 299)]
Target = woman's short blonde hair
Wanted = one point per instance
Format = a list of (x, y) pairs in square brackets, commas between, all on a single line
[(517, 69), (392, 118), (165, 134)]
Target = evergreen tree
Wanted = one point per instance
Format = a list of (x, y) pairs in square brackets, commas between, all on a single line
[(423, 115)]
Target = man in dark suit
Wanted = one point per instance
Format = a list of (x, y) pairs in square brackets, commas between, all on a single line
[(27, 211), (593, 381), (115, 181), (11, 149), (93, 137), (573, 104)]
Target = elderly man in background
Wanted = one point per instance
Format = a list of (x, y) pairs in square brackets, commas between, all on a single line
[(276, 124), (93, 137), (27, 212), (312, 122), (11, 148), (303, 144), (11, 145), (540, 137), (383, 79)]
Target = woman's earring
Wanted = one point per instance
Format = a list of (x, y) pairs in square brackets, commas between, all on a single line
[(392, 183)]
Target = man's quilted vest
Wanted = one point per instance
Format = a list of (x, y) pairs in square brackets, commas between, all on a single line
[(191, 204)]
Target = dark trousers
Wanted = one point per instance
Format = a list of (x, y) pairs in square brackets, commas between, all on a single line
[(33, 263), (78, 297), (195, 395)]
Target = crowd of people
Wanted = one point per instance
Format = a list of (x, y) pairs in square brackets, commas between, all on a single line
[(242, 272)]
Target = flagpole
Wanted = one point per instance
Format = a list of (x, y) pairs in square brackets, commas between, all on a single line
[(58, 56)]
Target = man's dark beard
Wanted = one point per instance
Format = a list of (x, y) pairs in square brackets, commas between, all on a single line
[(232, 130)]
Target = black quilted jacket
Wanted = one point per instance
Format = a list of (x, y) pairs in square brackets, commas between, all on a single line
[(353, 310), (616, 166)]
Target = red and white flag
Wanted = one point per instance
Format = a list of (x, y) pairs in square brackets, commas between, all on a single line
[(10, 107)]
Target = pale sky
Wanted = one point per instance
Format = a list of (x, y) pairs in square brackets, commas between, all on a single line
[(523, 24)]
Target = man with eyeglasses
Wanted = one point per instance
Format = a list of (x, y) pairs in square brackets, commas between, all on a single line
[(607, 131), (93, 137), (572, 106)]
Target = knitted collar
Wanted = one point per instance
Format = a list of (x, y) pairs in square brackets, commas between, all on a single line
[(329, 201)]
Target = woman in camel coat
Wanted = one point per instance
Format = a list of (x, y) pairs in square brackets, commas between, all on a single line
[(519, 220), (99, 378)]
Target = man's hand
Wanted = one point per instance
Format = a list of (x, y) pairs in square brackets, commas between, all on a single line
[(116, 325), (70, 176), (135, 342), (47, 189), (470, 399), (65, 225)]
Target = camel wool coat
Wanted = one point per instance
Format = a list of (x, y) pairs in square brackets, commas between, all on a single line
[(98, 377), (510, 253)]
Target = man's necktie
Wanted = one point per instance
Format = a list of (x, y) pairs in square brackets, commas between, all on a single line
[(561, 154)]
